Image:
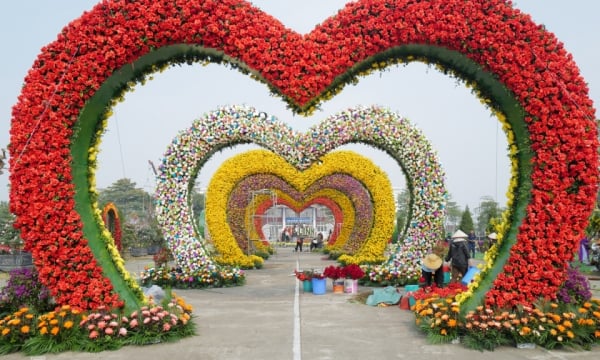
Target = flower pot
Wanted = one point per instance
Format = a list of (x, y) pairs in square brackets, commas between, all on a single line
[(338, 287), (351, 286), (138, 251), (318, 286), (17, 260), (307, 286)]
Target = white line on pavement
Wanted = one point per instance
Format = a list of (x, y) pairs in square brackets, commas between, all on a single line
[(296, 347)]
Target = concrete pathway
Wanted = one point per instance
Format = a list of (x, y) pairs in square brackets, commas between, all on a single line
[(271, 318)]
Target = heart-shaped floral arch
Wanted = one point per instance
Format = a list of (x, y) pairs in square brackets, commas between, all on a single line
[(357, 198), (364, 183), (233, 125), (517, 67)]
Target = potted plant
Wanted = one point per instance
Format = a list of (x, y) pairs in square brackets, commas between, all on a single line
[(335, 273), (318, 283), (352, 274), (306, 278)]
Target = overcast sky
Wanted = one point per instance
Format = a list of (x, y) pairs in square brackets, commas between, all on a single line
[(469, 141)]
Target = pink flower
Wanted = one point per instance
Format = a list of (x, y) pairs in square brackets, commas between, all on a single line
[(122, 331), (146, 321), (133, 323), (102, 324), (91, 327), (109, 331), (94, 334), (166, 327), (124, 319)]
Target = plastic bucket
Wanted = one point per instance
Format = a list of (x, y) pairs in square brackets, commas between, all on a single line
[(318, 286), (350, 286), (409, 290), (307, 286), (469, 275)]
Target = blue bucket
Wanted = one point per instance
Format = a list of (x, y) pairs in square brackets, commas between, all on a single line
[(409, 290), (318, 286), (466, 280)]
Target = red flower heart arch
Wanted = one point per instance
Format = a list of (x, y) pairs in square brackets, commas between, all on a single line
[(519, 67)]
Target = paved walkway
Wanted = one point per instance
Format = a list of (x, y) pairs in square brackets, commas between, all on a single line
[(271, 318)]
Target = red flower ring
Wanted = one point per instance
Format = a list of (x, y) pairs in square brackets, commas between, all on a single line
[(485, 42), (336, 211), (344, 183)]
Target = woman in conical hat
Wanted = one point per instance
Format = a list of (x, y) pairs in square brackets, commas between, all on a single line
[(458, 256), (431, 269)]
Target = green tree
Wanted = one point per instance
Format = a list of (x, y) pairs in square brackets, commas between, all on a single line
[(488, 214), (127, 197), (402, 212), (453, 212), (136, 208), (466, 221), (8, 234)]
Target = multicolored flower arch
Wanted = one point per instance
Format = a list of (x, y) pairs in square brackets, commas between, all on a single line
[(515, 66), (355, 176), (228, 126)]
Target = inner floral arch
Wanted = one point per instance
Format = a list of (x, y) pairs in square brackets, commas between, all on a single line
[(350, 173), (233, 125), (334, 200), (342, 204), (517, 67)]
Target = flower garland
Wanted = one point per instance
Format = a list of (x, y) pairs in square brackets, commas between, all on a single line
[(516, 66), (260, 169), (110, 216)]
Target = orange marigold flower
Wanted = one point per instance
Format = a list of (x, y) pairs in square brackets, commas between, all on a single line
[(24, 329), (570, 334), (44, 330), (443, 332), (5, 331), (54, 330), (452, 323), (68, 324)]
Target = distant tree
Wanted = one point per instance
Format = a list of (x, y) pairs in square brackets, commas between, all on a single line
[(402, 212), (197, 202), (140, 228), (592, 231), (8, 234), (466, 221), (488, 214), (453, 212), (127, 197)]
